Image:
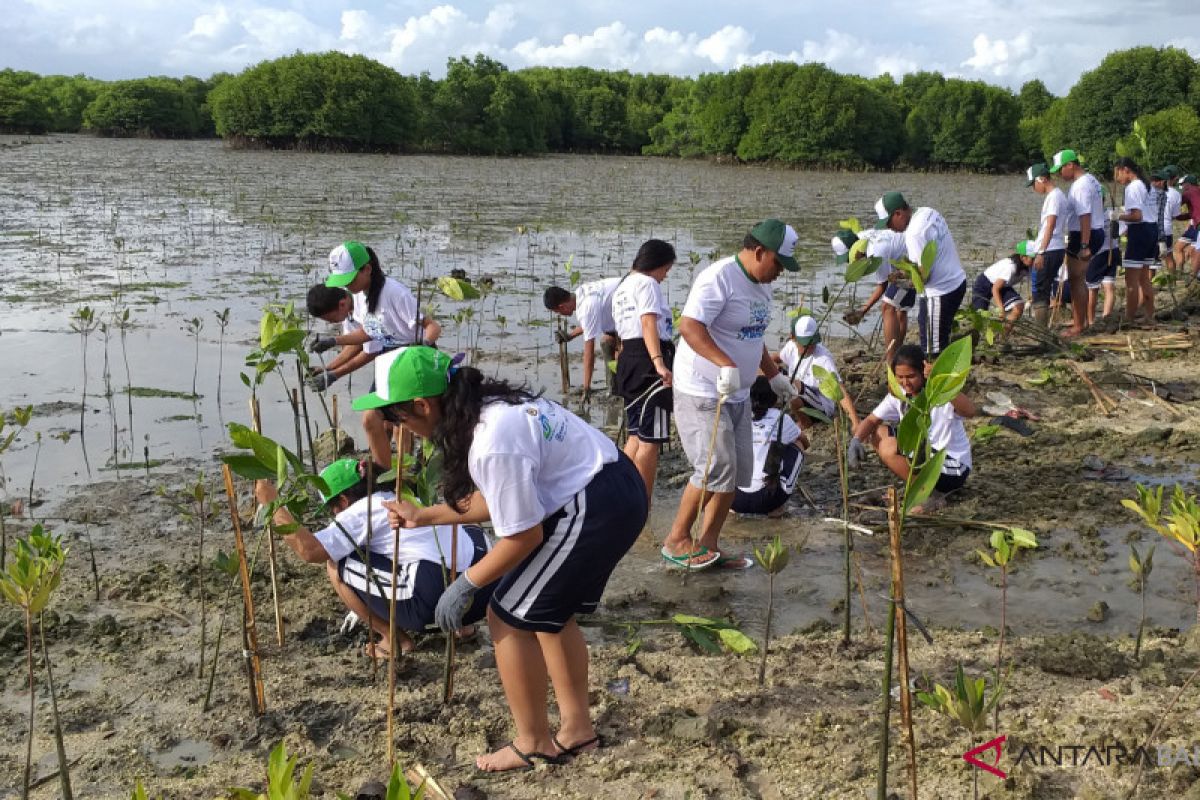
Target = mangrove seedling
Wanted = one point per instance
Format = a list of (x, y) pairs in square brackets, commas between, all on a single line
[(1141, 567), (773, 557), (84, 322), (226, 565), (11, 425), (1006, 543), (123, 324), (707, 634), (222, 324), (1180, 525), (281, 782), (27, 583), (193, 328), (967, 704)]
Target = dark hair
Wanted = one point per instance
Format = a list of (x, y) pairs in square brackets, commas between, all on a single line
[(653, 253), (378, 279), (750, 243), (762, 397), (323, 299), (910, 355), (555, 296), (1125, 162), (1018, 263)]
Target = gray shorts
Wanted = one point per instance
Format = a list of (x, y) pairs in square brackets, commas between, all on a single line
[(733, 457)]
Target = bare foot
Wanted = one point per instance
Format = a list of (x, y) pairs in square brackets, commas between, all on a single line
[(510, 757), (382, 649)]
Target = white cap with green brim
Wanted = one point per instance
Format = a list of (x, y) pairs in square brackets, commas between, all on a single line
[(1027, 248), (345, 261)]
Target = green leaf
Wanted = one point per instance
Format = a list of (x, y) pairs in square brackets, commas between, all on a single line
[(928, 256), (688, 619), (910, 431), (248, 466), (815, 414), (737, 641), (285, 341), (701, 637), (926, 479), (986, 558), (1024, 538), (828, 383), (859, 268), (456, 288), (850, 224), (983, 433), (894, 386)]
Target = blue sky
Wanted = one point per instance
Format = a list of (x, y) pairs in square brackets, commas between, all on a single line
[(1003, 41)]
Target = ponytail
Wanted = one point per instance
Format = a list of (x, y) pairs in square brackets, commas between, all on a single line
[(1125, 162), (377, 281)]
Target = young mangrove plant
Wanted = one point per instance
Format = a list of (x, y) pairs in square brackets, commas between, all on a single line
[(222, 318), (1006, 543), (27, 583), (84, 322), (193, 327), (773, 557), (11, 425), (1180, 525), (708, 635), (1141, 566), (121, 320), (967, 704), (283, 782)]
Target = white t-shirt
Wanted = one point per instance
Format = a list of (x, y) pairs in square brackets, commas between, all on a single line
[(1174, 207), (528, 460), (888, 245), (1086, 198), (637, 295), (947, 274), (736, 310), (946, 432), (1005, 270), (394, 323), (821, 357), (766, 430), (593, 307), (1137, 195), (416, 544), (1057, 205)]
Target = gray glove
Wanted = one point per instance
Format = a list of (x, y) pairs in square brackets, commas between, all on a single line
[(454, 603), (322, 380), (319, 344), (855, 453), (561, 336)]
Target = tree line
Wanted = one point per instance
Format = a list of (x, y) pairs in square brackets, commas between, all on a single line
[(803, 114)]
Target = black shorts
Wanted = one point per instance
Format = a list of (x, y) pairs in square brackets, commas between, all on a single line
[(769, 498), (1141, 245), (901, 297), (581, 545), (951, 483), (1095, 241), (935, 317), (1102, 268), (648, 404), (1189, 235), (1042, 279), (981, 295), (419, 585)]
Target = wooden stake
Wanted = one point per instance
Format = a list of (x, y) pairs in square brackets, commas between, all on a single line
[(902, 636), (296, 422), (258, 702), (337, 433), (391, 709), (448, 678), (1101, 399), (256, 421), (564, 368)]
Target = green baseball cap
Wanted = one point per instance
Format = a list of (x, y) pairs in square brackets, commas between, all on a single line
[(780, 239), (339, 476), (1189, 179), (841, 243), (345, 261), (1172, 170), (805, 330), (1062, 158), (406, 374), (1036, 171), (1160, 175), (889, 204)]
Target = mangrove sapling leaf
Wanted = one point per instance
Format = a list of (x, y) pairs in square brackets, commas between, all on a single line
[(827, 383), (457, 289), (911, 430), (920, 488), (1141, 567), (1180, 524), (983, 433), (267, 451), (967, 704), (248, 466), (928, 256), (862, 267), (894, 386), (774, 557), (813, 413), (850, 224)]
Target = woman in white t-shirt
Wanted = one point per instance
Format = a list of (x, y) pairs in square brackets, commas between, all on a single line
[(565, 506), (643, 379), (1050, 244), (1141, 239), (777, 455), (946, 431), (998, 284), (380, 315), (360, 533)]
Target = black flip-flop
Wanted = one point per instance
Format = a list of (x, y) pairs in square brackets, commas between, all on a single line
[(528, 758), (1018, 426), (574, 750)]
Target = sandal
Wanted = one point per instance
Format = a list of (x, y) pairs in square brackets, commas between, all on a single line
[(527, 758), (576, 749), (734, 562), (703, 558)]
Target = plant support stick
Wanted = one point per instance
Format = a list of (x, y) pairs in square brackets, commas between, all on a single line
[(249, 631), (256, 423), (902, 636)]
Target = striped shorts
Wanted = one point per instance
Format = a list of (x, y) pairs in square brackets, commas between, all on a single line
[(935, 316)]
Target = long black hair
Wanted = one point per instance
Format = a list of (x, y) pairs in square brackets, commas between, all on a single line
[(1125, 162), (653, 253), (762, 397), (910, 355), (377, 281), (323, 299)]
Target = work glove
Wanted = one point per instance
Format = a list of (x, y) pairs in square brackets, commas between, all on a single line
[(784, 389), (729, 380), (853, 317), (561, 336), (855, 453), (454, 603), (322, 380), (349, 623), (319, 344)]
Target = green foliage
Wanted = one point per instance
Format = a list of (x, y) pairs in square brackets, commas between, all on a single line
[(1140, 565), (773, 557), (1170, 136), (1006, 543), (159, 107), (827, 383), (710, 635), (986, 324), (457, 289), (984, 433), (1034, 98), (34, 572), (280, 333), (1181, 522), (965, 123), (967, 703), (281, 784)]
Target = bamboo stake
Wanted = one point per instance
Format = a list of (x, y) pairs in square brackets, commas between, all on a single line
[(337, 437), (563, 368), (902, 636), (1175, 412), (256, 421), (1101, 399), (391, 709), (258, 703), (312, 452), (296, 422)]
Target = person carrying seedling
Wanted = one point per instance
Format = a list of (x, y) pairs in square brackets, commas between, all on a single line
[(891, 286), (1086, 244), (802, 352), (377, 313), (946, 431), (591, 303), (998, 284), (344, 548), (946, 284), (565, 505), (723, 324), (1050, 244), (643, 380), (777, 455)]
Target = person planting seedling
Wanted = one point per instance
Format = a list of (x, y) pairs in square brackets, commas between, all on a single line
[(366, 589), (566, 506)]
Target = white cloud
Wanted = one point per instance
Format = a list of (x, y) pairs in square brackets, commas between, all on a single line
[(1002, 57), (726, 47), (612, 46)]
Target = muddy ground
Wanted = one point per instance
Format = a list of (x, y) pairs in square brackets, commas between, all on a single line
[(676, 723)]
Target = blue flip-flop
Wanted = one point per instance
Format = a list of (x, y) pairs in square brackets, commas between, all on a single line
[(687, 560)]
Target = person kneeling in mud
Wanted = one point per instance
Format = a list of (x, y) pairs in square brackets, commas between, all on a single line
[(998, 284), (797, 359), (946, 431), (343, 547), (777, 455)]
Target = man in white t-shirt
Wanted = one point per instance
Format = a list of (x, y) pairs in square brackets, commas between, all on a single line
[(591, 303), (1087, 244), (946, 285), (891, 285), (720, 353)]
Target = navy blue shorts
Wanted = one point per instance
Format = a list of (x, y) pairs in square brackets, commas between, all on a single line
[(769, 498), (951, 483), (1043, 279), (1141, 245), (581, 545), (901, 297), (1102, 268), (981, 295), (419, 585), (1095, 241), (935, 317), (1189, 235)]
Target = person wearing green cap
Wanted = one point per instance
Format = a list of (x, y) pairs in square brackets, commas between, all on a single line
[(1087, 243), (891, 285), (998, 284), (360, 534), (565, 505), (721, 351), (1050, 243), (1166, 204), (946, 284), (377, 313)]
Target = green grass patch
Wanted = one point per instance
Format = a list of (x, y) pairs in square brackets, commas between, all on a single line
[(150, 391), (132, 465)]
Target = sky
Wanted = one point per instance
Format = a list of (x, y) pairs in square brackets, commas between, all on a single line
[(1004, 42)]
